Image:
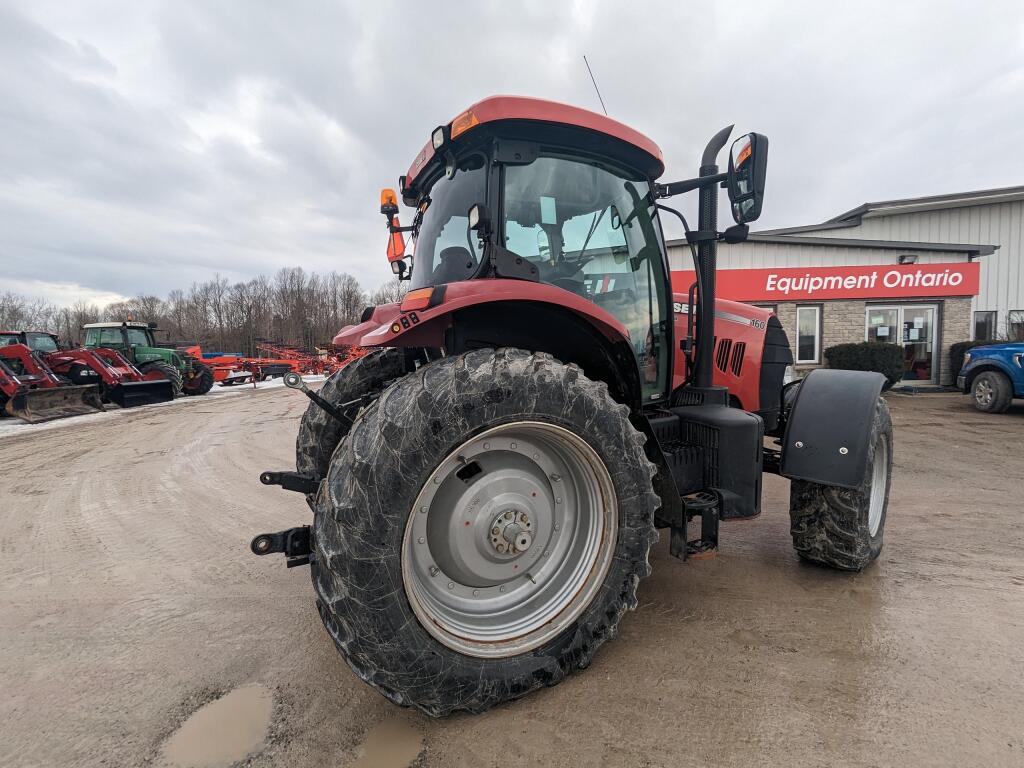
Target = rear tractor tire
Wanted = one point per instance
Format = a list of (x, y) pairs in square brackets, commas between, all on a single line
[(991, 392), (158, 369), (482, 529), (842, 527), (200, 383)]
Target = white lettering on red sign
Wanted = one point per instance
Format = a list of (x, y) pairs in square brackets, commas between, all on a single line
[(851, 282)]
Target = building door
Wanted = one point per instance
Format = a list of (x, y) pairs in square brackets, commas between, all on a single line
[(912, 326)]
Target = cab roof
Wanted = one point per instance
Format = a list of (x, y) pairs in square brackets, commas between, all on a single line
[(117, 324), (521, 108)]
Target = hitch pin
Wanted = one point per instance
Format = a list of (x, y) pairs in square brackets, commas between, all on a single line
[(292, 380)]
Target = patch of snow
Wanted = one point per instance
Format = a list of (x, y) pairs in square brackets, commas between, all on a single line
[(12, 427)]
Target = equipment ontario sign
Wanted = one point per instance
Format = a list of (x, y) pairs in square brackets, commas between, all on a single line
[(883, 281)]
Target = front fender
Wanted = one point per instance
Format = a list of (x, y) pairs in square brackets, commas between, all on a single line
[(976, 366), (828, 427)]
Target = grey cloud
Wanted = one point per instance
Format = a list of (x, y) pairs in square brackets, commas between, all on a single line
[(147, 145)]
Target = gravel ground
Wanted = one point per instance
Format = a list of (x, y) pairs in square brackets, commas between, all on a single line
[(128, 599)]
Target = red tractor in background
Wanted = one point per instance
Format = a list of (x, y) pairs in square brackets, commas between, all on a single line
[(487, 482), (118, 381), (32, 392)]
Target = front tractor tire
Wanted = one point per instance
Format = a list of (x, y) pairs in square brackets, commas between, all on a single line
[(842, 527), (319, 432), (200, 382), (158, 369), (482, 529)]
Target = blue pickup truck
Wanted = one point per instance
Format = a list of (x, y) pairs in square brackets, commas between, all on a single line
[(993, 376)]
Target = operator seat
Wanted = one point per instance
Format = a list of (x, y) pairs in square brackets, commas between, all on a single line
[(456, 263)]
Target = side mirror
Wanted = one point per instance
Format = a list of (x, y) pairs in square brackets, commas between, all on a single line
[(748, 161)]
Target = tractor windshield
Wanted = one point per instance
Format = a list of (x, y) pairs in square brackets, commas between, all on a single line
[(447, 250), (138, 337), (589, 229), (41, 342)]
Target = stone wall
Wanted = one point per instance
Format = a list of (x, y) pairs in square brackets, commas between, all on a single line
[(843, 322)]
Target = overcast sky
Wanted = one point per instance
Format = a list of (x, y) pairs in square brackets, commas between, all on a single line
[(145, 145)]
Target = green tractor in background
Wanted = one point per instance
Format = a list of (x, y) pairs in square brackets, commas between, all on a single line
[(136, 341)]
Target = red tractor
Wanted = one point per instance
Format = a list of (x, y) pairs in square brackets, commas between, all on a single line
[(119, 381), (487, 483), (32, 392)]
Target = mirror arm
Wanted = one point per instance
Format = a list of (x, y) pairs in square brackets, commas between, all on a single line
[(678, 187)]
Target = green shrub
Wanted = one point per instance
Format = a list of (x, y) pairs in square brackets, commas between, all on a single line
[(956, 353), (886, 359)]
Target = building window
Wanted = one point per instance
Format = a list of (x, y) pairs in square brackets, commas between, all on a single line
[(808, 335), (984, 325), (1015, 325)]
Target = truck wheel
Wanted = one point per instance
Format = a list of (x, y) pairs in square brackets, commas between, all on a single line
[(482, 530), (158, 369), (319, 432), (991, 392), (201, 383), (842, 527)]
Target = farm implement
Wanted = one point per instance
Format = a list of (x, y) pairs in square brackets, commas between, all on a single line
[(32, 392), (117, 380)]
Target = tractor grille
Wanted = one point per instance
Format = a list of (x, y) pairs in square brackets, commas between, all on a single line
[(737, 357), (722, 355), (707, 438)]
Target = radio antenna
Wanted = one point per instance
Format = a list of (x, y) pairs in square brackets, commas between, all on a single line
[(595, 85)]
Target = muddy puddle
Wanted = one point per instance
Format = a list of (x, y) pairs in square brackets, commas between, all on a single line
[(222, 732), (390, 744)]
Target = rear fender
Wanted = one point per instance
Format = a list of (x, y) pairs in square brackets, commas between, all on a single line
[(392, 326), (828, 427), (511, 313)]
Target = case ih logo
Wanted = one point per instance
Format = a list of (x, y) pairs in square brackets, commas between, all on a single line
[(874, 282)]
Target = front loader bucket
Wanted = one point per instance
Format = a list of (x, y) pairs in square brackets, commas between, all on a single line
[(54, 403), (129, 394)]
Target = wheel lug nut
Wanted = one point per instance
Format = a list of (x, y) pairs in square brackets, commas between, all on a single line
[(451, 585), (421, 540)]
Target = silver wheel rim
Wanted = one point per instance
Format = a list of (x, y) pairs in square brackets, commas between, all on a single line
[(879, 481), (983, 392), (510, 539)]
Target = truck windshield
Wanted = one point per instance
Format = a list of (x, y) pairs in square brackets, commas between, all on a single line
[(590, 229), (446, 250)]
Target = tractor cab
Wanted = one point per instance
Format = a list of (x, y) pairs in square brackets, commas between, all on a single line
[(37, 341), (534, 191), (126, 337)]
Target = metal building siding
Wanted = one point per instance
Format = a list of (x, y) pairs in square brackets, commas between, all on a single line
[(754, 255), (1002, 224)]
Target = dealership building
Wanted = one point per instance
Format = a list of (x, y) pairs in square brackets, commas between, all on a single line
[(923, 273)]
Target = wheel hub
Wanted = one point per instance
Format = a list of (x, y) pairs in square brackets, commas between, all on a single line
[(510, 532), (509, 539)]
